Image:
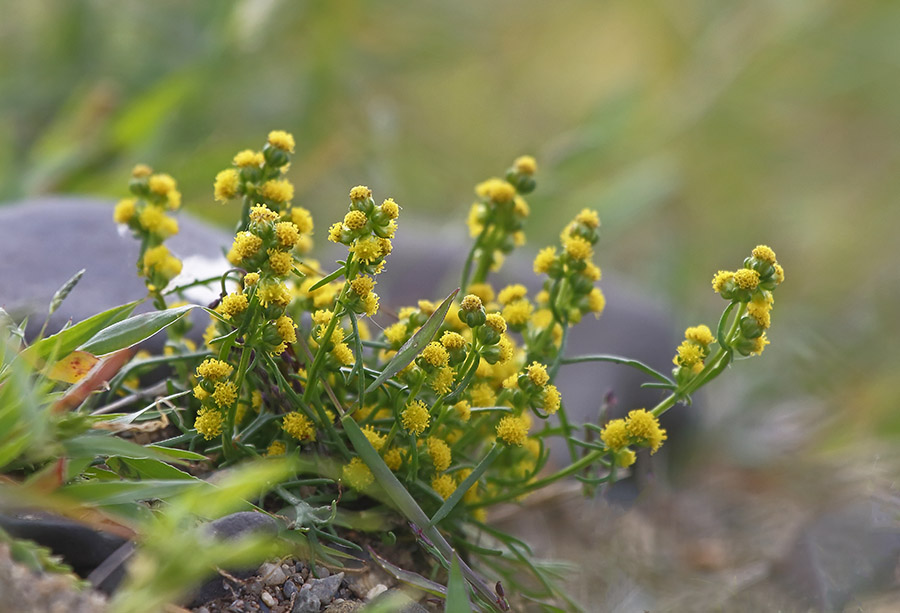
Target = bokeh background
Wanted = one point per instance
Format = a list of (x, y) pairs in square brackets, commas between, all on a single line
[(698, 128)]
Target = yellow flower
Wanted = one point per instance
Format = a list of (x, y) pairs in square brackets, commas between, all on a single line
[(362, 285), (357, 474), (226, 185), (759, 344), (245, 245), (518, 313), (160, 261), (614, 435), (470, 303), (625, 458), (225, 394), (302, 219), (475, 220), (260, 213), (286, 329), (779, 274), (360, 192), (596, 301), (234, 304), (278, 190), (440, 454), (367, 249), (700, 334), (298, 426), (496, 321), (512, 430), (343, 354), (435, 354), (546, 257), (483, 291), (538, 374), (497, 190), (355, 220), (173, 200), (161, 184), (208, 423), (141, 171), (746, 278), (280, 262), (251, 279), (482, 395), (720, 279), (390, 209), (689, 354), (759, 308), (442, 380), (644, 428), (592, 271), (551, 399), (274, 293), (453, 340), (588, 218), (200, 393), (415, 417), (444, 485), (463, 410), (577, 248), (276, 448), (525, 165), (124, 211), (507, 347), (395, 333), (512, 293), (394, 458), (375, 438), (281, 140), (764, 254), (249, 158)]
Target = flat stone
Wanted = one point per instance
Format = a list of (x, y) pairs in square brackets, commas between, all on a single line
[(376, 591), (325, 588), (272, 574), (306, 601)]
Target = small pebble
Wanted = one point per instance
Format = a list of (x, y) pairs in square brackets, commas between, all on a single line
[(272, 574), (268, 599), (375, 591), (289, 588)]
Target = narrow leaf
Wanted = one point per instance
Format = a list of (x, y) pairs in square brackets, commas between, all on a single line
[(133, 330), (620, 360), (123, 492), (327, 279), (146, 469), (457, 592), (469, 481), (414, 346), (66, 341), (93, 445), (62, 292)]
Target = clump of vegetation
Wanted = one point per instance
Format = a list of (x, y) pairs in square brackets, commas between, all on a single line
[(414, 431)]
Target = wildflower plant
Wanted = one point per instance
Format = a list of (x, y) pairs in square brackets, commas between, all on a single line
[(443, 413)]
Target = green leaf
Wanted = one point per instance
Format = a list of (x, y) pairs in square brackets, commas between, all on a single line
[(121, 492), (146, 469), (469, 481), (414, 346), (64, 342), (457, 592), (620, 360), (133, 330), (93, 445), (404, 501), (181, 454), (64, 291), (408, 577), (327, 279)]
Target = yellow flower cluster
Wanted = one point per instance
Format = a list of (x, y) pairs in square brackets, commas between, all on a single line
[(639, 428), (367, 230)]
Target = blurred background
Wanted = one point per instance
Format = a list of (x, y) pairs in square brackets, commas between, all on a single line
[(698, 129)]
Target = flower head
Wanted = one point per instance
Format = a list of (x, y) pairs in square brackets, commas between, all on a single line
[(440, 454), (298, 426), (281, 140), (415, 417), (512, 430), (209, 423), (357, 474), (226, 185)]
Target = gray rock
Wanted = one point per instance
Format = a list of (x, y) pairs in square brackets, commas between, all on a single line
[(843, 552), (325, 589), (306, 601), (289, 588)]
